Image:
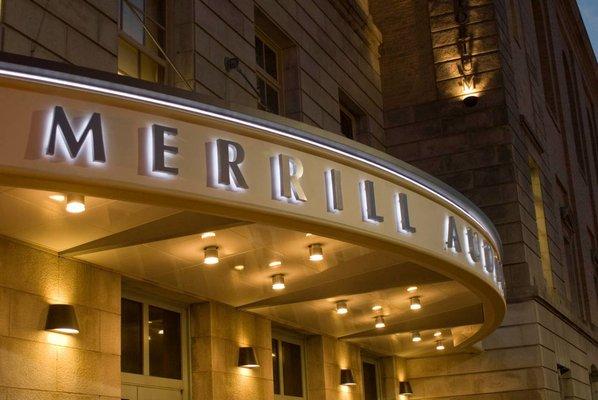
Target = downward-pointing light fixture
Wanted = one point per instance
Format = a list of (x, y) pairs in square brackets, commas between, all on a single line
[(341, 307), (210, 255), (75, 203), (412, 289), (405, 388), (61, 318), (439, 345), (315, 252), (247, 358), (416, 337), (437, 334), (347, 378), (415, 303), (278, 282), (380, 322)]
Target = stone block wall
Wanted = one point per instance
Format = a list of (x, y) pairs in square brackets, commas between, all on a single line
[(484, 152), (325, 358), (75, 32), (217, 332), (517, 362), (35, 364), (326, 50)]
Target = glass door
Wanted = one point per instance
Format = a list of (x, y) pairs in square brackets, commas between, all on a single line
[(153, 347)]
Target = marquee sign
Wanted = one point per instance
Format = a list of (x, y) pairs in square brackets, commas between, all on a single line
[(67, 137)]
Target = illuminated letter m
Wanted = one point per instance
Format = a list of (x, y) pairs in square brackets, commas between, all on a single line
[(60, 121)]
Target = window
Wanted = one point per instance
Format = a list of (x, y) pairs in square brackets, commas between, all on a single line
[(353, 120), (348, 123), (287, 367), (541, 225), (514, 21), (152, 344), (544, 38), (371, 379), (565, 388), (138, 54), (268, 74), (578, 136)]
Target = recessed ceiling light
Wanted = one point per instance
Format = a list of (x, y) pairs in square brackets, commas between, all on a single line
[(412, 289), (415, 303), (57, 197), (161, 332), (275, 263), (440, 345), (210, 255), (75, 203), (207, 235), (380, 322), (309, 234), (416, 337), (437, 334), (315, 252), (341, 307), (239, 267), (377, 307), (278, 282)]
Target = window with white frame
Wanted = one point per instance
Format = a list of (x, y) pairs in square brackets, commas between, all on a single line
[(142, 32), (348, 123), (288, 367), (153, 350), (269, 80)]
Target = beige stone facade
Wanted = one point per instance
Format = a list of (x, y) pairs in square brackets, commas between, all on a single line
[(36, 364), (395, 63)]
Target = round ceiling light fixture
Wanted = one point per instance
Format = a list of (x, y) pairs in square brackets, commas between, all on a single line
[(75, 203), (415, 303), (315, 252), (210, 255), (416, 337), (341, 307), (278, 282)]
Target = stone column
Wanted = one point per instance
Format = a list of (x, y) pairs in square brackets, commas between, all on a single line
[(217, 332)]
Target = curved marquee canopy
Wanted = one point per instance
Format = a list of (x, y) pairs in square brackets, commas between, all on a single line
[(79, 134)]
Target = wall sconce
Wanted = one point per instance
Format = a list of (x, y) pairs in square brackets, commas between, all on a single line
[(347, 378), (405, 388), (61, 318), (247, 358), (470, 98)]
